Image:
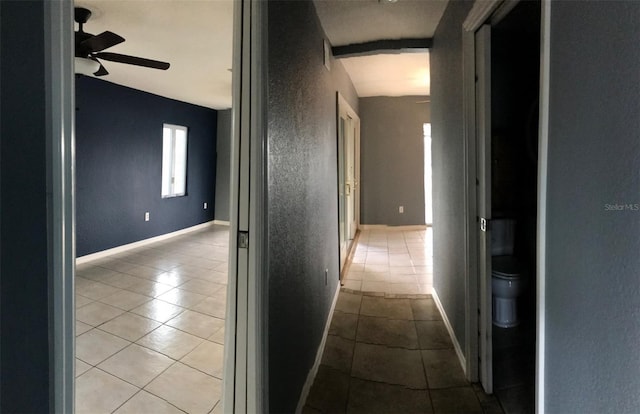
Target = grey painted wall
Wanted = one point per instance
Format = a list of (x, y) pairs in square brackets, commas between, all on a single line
[(25, 270), (302, 195), (592, 281), (448, 165), (223, 165), (392, 159)]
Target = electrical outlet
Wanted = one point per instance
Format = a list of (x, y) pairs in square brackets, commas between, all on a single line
[(146, 216), (205, 206), (326, 277), (401, 209)]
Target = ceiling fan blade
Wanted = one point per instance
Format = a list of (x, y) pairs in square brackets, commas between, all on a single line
[(133, 60), (101, 72), (101, 42)]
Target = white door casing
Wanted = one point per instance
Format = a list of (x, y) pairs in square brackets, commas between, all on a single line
[(349, 149), (60, 89), (348, 144), (482, 13), (483, 135), (245, 385)]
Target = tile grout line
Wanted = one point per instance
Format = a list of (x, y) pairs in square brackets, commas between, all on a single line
[(353, 356), (424, 367), (144, 276)]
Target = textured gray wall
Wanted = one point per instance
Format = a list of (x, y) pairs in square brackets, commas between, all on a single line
[(302, 194), (223, 165), (392, 159), (592, 281), (448, 165)]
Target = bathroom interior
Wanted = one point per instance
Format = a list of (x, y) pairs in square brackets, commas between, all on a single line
[(515, 65)]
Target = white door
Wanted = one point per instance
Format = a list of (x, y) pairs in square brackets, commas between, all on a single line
[(483, 136), (350, 181), (342, 198), (348, 176)]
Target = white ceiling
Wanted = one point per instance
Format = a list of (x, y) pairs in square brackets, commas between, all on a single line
[(195, 36), (389, 75), (360, 21)]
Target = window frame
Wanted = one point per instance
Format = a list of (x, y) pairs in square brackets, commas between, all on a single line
[(174, 128)]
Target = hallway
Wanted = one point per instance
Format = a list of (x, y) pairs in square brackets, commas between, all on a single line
[(392, 262), (392, 355), (388, 349)]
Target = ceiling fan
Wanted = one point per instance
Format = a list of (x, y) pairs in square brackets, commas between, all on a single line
[(89, 48)]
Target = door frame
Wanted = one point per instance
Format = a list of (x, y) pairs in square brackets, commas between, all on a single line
[(245, 380), (543, 156), (60, 92), (483, 12), (483, 203), (489, 12), (342, 106), (246, 374), (479, 13)]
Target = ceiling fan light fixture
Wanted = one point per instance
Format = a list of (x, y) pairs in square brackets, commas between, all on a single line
[(90, 49), (85, 66)]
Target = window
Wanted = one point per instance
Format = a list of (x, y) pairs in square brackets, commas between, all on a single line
[(428, 185), (174, 160)]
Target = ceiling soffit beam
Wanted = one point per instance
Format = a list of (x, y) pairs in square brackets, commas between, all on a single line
[(382, 46)]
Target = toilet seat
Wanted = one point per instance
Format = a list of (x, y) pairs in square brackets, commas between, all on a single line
[(505, 267)]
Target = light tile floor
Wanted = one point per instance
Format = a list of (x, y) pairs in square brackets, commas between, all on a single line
[(150, 332), (392, 262), (150, 327)]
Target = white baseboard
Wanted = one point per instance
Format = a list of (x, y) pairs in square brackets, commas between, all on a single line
[(452, 334), (98, 255), (388, 227), (314, 369), (221, 222)]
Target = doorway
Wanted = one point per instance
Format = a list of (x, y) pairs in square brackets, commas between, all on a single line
[(507, 64), (348, 177), (515, 80), (182, 276)]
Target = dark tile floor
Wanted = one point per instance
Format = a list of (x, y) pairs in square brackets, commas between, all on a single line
[(514, 362), (392, 355)]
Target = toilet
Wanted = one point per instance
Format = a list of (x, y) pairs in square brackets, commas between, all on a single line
[(507, 282)]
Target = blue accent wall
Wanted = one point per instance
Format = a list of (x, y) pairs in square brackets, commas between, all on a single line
[(25, 270), (119, 165)]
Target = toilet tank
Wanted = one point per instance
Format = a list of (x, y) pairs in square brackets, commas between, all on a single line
[(502, 236)]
